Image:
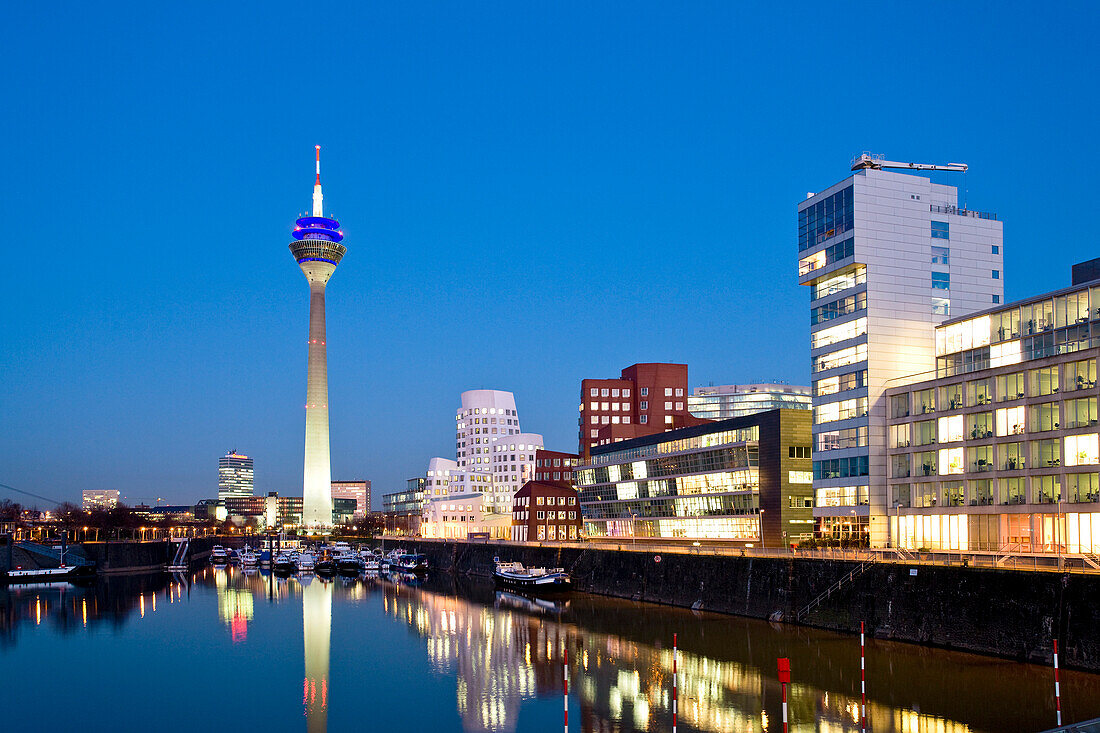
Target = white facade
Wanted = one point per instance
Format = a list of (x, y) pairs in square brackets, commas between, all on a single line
[(456, 516), (513, 465), (100, 499), (887, 256), (485, 415)]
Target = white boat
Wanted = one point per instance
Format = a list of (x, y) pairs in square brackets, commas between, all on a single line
[(249, 558), (219, 555), (306, 562), (514, 575), (38, 575)]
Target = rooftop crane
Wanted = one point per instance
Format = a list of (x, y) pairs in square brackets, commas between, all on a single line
[(877, 162)]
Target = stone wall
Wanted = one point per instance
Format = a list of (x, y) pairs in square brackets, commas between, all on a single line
[(1006, 613)]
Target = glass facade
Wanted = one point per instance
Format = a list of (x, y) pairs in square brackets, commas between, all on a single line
[(701, 482), (827, 218), (737, 400)]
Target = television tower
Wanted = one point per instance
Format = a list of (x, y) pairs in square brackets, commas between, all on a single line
[(317, 249)]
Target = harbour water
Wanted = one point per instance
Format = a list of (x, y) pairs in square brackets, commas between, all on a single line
[(224, 649)]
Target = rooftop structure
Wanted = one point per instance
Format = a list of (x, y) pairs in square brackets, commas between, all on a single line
[(737, 400)]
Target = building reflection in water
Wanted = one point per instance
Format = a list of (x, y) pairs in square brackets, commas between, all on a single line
[(316, 632), (235, 603), (505, 654)]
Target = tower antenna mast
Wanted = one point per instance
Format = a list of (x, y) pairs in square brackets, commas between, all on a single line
[(318, 198)]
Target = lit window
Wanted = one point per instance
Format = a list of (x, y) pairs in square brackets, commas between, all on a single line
[(614, 393), (668, 391)]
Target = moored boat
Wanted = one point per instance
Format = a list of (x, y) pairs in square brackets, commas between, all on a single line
[(219, 555), (284, 564), (47, 575), (539, 580)]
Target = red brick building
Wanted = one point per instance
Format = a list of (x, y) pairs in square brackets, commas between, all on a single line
[(646, 399), (552, 465), (546, 512)]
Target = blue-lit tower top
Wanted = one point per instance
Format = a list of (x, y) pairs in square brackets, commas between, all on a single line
[(317, 237)]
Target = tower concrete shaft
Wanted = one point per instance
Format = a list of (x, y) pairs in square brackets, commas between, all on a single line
[(317, 478), (317, 249)]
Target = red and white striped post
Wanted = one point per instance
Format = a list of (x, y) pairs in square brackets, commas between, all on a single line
[(862, 682), (565, 686), (674, 694), (784, 665), (1057, 686)]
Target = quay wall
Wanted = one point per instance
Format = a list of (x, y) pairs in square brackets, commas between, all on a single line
[(1007, 613)]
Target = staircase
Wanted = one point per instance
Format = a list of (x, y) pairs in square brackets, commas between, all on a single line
[(848, 578), (180, 560)]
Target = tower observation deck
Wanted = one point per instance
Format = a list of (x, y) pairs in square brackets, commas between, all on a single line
[(317, 250)]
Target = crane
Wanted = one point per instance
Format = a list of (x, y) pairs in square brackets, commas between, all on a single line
[(875, 161)]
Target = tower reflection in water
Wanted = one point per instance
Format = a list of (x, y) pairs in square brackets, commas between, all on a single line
[(316, 631)]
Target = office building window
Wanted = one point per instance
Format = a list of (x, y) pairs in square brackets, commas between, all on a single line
[(996, 299), (996, 250), (941, 230), (941, 255), (644, 391), (996, 274), (942, 306), (941, 280)]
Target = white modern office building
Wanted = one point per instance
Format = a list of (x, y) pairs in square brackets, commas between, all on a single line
[(887, 256), (724, 401), (513, 465), (99, 499), (485, 415)]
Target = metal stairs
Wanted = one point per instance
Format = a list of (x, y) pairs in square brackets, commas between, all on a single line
[(179, 561), (845, 580)]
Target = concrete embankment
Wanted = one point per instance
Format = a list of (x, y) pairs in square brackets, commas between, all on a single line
[(142, 557), (1005, 613)]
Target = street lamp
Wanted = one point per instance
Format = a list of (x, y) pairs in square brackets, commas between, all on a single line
[(633, 534)]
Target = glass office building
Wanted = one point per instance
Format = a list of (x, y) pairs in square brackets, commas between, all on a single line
[(746, 479), (737, 400)]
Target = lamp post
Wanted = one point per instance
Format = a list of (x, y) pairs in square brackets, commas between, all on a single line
[(633, 534)]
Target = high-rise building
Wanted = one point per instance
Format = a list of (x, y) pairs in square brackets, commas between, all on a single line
[(886, 257), (737, 400), (100, 499), (645, 399), (997, 450), (358, 490), (235, 476), (317, 249)]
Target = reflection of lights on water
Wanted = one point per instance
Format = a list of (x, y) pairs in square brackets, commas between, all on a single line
[(141, 605), (764, 720), (37, 611), (84, 610)]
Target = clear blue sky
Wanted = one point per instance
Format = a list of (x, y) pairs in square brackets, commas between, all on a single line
[(532, 193)]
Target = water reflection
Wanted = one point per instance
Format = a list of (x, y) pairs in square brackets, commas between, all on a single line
[(499, 659), (316, 630)]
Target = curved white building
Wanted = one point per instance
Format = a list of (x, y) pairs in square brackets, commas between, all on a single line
[(485, 415), (513, 465)]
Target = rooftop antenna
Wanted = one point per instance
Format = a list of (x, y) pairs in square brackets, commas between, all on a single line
[(317, 197)]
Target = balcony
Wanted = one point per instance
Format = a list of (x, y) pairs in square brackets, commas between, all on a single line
[(938, 209)]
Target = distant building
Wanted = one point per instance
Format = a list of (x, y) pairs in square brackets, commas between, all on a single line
[(243, 509), (645, 399), (173, 513), (99, 499), (402, 509), (747, 479), (358, 490), (545, 512), (235, 476), (555, 466), (737, 400)]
